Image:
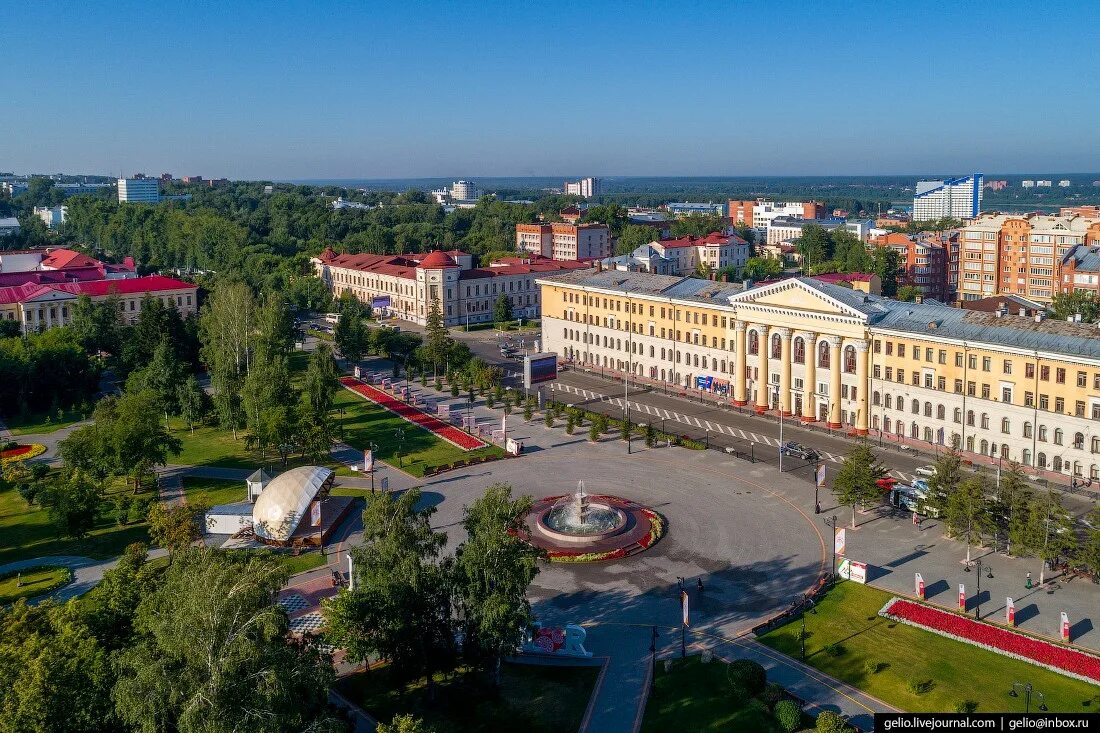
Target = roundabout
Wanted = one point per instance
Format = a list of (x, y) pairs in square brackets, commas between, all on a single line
[(582, 527)]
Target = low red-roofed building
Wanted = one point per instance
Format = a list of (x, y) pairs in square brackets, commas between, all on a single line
[(404, 286), (715, 251), (39, 306)]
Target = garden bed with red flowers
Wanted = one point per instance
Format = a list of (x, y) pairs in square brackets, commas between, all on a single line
[(446, 431), (1055, 657), (21, 452)]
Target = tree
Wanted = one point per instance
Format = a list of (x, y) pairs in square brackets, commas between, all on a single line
[(176, 527), (97, 324), (857, 480), (502, 309), (967, 513), (436, 341), (946, 479), (191, 401), (163, 376), (1003, 505), (634, 236), (888, 266), (73, 503), (109, 608), (212, 654), (1052, 530), (227, 326), (908, 293), (830, 722), (321, 382), (814, 245), (493, 569), (1079, 302), (400, 608), (403, 724), (54, 674), (762, 268), (697, 225), (1089, 554), (351, 336)]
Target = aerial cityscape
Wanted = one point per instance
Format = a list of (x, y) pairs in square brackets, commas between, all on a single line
[(435, 368)]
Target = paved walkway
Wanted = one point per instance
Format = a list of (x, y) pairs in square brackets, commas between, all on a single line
[(87, 572)]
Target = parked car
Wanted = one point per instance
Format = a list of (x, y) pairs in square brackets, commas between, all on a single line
[(886, 483), (928, 471), (797, 450), (921, 485)]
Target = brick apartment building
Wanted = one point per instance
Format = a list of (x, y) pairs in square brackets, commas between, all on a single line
[(564, 241)]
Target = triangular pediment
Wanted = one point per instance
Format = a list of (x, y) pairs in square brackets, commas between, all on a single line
[(49, 295), (795, 294)]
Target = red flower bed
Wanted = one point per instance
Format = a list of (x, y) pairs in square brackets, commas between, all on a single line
[(415, 415), (15, 452), (1055, 657)]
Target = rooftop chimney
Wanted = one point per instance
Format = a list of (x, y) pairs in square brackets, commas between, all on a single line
[(1038, 317), (1023, 311), (599, 265), (1076, 317), (918, 298)]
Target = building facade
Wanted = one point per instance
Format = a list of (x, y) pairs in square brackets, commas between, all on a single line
[(760, 212), (954, 198), (139, 190), (409, 284), (783, 228), (1002, 386), (1020, 255), (52, 217), (563, 241), (586, 187), (923, 260)]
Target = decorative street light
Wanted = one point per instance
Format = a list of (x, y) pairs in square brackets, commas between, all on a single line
[(779, 409), (989, 574), (373, 458), (813, 609), (400, 435), (1028, 692), (831, 522)]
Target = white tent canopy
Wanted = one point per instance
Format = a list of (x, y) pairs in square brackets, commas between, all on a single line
[(284, 502)]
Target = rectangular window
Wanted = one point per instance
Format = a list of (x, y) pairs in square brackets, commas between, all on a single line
[(1044, 373), (941, 383), (985, 391), (889, 373), (889, 348), (1044, 402), (958, 386), (1082, 379), (901, 350), (1029, 399), (958, 359), (1006, 394), (1079, 408), (928, 355), (1059, 404), (972, 361), (972, 389), (1060, 375), (942, 357), (1029, 371), (1007, 366), (987, 363)]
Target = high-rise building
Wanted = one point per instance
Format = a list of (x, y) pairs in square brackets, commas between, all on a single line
[(1019, 254), (954, 198), (464, 191), (138, 190), (923, 259), (587, 187)]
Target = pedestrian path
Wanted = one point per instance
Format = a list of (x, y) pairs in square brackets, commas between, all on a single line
[(87, 572)]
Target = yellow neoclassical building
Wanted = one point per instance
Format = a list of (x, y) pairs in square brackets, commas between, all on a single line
[(999, 384)]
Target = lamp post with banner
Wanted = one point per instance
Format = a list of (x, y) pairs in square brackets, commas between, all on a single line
[(819, 483)]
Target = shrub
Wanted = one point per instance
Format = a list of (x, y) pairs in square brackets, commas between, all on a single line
[(569, 424), (507, 405), (593, 432), (918, 686), (749, 675), (771, 695), (528, 412), (966, 706), (549, 419), (874, 666), (625, 429), (830, 722), (789, 715), (454, 389), (490, 401), (424, 379), (438, 384), (650, 435), (835, 650), (600, 421)]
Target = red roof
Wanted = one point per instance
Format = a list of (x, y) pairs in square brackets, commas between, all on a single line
[(436, 259), (95, 288), (59, 259), (693, 241), (844, 277)]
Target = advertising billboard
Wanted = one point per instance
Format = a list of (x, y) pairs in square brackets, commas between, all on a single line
[(539, 368), (380, 302)]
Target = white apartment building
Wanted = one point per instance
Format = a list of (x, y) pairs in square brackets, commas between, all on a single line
[(8, 225), (51, 217), (1043, 184), (1027, 184), (464, 191), (1064, 183), (138, 190), (586, 187), (715, 251), (954, 198), (784, 228)]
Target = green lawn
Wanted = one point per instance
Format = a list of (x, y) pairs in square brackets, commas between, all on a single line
[(36, 423), (693, 696), (532, 699), (848, 618), (216, 446), (364, 422), (26, 531), (213, 492), (32, 582)]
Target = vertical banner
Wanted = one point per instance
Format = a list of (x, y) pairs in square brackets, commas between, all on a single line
[(368, 461), (838, 542), (315, 514), (351, 573), (962, 597), (920, 586), (1010, 612), (1065, 627), (358, 373), (385, 483), (684, 604), (821, 475)]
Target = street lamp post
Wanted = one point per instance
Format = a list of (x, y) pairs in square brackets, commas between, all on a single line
[(400, 435), (779, 409), (1028, 692), (805, 600), (374, 457), (989, 574)]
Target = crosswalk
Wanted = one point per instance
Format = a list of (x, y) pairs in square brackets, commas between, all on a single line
[(662, 414)]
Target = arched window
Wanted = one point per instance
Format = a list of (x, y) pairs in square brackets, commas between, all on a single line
[(777, 346), (889, 402), (754, 343), (928, 409), (874, 422), (958, 415), (985, 421), (1079, 441), (1042, 460), (1027, 457), (1043, 433), (849, 359), (928, 434), (695, 359), (799, 351), (823, 354), (941, 412), (1004, 451), (876, 399), (970, 418), (1027, 430), (899, 428), (1076, 468), (1006, 426), (1096, 444), (1094, 472), (1057, 463), (985, 446), (914, 431), (916, 407), (1057, 436), (886, 424)]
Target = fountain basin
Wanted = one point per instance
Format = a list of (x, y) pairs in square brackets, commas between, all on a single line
[(586, 528), (613, 522)]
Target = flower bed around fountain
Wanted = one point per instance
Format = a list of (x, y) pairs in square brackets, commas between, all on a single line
[(21, 452), (589, 528)]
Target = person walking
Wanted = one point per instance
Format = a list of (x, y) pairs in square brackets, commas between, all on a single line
[(1028, 584)]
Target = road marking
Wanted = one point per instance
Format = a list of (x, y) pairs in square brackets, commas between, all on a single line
[(697, 423), (666, 415), (756, 438), (709, 426)]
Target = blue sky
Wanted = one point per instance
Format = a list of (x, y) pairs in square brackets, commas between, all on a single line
[(407, 89)]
